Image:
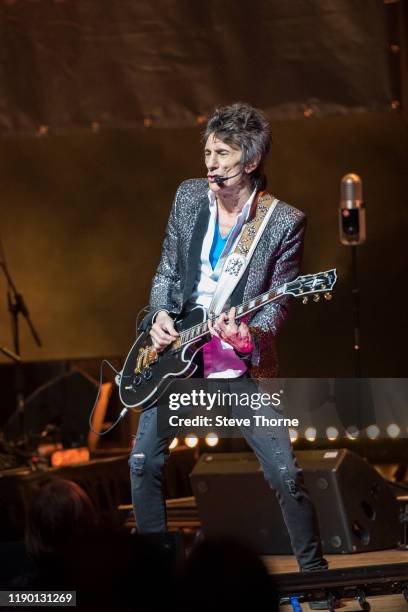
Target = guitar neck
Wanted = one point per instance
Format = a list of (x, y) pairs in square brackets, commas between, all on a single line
[(302, 286), (201, 329)]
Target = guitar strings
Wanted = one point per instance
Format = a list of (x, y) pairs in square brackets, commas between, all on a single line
[(197, 328), (264, 297)]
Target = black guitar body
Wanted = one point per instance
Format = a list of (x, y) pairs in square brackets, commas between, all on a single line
[(140, 388)]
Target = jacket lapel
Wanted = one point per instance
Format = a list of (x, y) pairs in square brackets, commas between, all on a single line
[(194, 251)]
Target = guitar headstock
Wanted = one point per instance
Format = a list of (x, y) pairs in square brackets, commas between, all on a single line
[(312, 284)]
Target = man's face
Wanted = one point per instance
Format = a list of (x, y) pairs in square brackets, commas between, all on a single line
[(222, 160)]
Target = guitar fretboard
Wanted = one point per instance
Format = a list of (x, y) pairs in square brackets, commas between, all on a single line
[(303, 286), (201, 329)]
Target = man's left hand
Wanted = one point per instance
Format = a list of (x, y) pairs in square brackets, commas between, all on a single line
[(238, 336)]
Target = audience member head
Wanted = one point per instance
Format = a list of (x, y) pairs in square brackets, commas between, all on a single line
[(59, 513), (225, 574)]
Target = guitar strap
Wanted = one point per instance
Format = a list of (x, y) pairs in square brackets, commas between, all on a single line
[(241, 252)]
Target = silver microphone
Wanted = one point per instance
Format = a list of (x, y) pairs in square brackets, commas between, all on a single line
[(352, 213)]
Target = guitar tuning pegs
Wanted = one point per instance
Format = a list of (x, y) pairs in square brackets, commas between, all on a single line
[(305, 300), (316, 297), (328, 296)]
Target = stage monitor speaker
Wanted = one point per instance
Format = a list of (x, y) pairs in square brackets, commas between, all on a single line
[(356, 509)]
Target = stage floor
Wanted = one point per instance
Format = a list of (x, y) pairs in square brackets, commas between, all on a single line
[(182, 515), (390, 603)]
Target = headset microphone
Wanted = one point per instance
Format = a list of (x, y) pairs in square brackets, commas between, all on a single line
[(221, 179)]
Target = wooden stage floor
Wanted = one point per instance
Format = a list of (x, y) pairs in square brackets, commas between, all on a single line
[(390, 603), (182, 514)]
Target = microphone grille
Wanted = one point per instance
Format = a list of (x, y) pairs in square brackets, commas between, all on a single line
[(351, 191)]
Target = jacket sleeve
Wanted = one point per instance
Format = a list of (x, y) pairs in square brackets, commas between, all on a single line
[(266, 323), (167, 275)]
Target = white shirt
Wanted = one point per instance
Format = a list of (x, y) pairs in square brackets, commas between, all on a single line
[(220, 359)]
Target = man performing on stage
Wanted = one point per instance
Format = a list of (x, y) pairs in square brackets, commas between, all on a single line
[(207, 217)]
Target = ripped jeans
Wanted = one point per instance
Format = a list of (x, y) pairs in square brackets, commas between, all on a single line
[(274, 452)]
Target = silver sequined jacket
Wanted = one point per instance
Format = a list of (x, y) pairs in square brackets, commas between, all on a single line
[(276, 260)]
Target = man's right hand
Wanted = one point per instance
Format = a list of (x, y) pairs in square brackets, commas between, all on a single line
[(162, 331)]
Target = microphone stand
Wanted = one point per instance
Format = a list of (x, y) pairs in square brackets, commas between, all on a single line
[(17, 306), (356, 313)]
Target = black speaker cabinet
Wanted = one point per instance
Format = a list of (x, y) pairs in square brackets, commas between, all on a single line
[(356, 509)]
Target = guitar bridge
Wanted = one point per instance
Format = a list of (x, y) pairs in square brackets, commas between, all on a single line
[(138, 367)]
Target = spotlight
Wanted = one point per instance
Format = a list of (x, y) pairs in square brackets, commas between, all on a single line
[(352, 432), (310, 434), (393, 430), (173, 443), (332, 433), (43, 130), (211, 439), (373, 431), (191, 440), (293, 434)]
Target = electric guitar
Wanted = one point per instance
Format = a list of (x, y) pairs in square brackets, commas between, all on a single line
[(146, 373)]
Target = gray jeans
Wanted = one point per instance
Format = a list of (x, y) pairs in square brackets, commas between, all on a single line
[(274, 452)]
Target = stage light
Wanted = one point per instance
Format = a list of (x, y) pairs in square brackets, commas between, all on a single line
[(43, 130), (332, 433), (393, 430), (352, 432), (69, 456), (191, 440), (373, 431), (293, 434), (211, 439), (173, 443), (310, 434)]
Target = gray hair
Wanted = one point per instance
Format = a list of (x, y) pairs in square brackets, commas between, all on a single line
[(240, 125)]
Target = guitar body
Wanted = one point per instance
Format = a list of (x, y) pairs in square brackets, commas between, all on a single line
[(140, 387)]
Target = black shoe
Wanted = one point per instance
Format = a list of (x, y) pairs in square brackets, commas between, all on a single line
[(322, 567)]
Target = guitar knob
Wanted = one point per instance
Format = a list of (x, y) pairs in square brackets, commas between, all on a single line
[(316, 297), (147, 374), (136, 381), (328, 296), (305, 300)]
